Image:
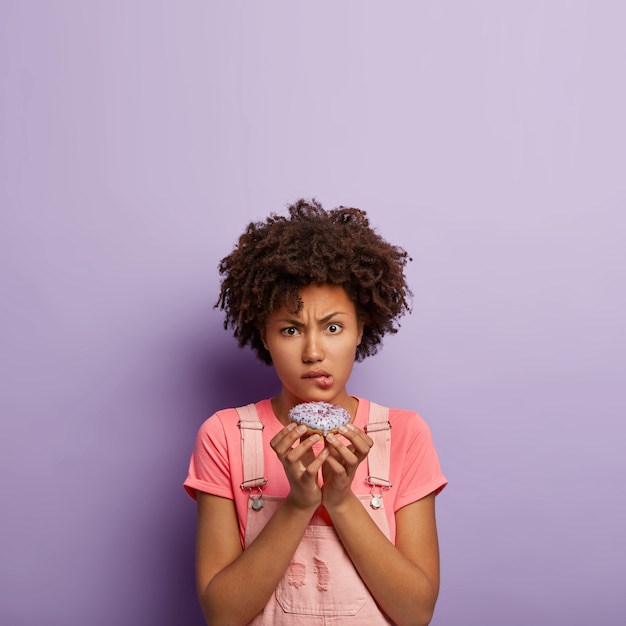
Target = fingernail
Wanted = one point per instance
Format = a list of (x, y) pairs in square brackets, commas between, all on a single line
[(314, 437), (291, 425), (343, 429), (301, 429), (330, 437)]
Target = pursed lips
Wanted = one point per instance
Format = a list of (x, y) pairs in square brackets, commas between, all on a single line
[(316, 374), (322, 379)]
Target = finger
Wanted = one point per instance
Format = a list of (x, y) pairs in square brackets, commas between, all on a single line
[(333, 452), (297, 453), (337, 463), (361, 442), (281, 434), (283, 441), (342, 454), (314, 467)]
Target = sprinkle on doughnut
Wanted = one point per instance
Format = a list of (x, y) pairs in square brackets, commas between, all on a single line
[(319, 417)]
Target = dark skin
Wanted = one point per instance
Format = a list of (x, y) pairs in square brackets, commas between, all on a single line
[(235, 584), (277, 257)]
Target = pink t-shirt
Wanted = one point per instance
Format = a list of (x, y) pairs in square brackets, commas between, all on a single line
[(216, 465)]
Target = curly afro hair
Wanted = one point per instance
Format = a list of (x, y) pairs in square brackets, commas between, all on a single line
[(274, 259)]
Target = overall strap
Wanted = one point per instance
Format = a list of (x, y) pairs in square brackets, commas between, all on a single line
[(251, 429), (379, 429)]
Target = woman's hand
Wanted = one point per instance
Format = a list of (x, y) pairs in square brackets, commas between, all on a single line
[(341, 464), (301, 465)]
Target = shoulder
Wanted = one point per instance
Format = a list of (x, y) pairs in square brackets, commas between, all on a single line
[(225, 422), (221, 421), (406, 420)]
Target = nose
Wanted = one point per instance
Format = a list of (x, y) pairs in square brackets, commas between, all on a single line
[(312, 350)]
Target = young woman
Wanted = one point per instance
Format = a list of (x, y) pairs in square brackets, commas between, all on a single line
[(310, 529)]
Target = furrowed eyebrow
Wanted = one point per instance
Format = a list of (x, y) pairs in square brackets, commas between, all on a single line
[(290, 322), (327, 318), (323, 320)]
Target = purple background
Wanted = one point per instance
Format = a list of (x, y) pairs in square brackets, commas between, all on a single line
[(137, 139)]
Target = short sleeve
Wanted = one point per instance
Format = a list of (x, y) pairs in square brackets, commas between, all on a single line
[(209, 467), (420, 473)]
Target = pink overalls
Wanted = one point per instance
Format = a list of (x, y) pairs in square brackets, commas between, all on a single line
[(321, 585)]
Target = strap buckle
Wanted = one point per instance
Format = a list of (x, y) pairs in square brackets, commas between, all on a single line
[(378, 485), (254, 483), (373, 427), (255, 489), (374, 481), (251, 424)]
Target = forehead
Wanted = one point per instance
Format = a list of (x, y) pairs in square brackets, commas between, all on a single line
[(319, 300)]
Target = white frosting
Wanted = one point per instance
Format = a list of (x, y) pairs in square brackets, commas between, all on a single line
[(320, 416)]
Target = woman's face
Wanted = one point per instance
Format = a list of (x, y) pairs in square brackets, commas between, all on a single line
[(313, 351)]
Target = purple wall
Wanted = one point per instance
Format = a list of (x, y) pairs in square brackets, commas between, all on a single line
[(137, 139)]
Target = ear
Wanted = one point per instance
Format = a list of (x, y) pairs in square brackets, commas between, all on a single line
[(262, 332), (360, 335)]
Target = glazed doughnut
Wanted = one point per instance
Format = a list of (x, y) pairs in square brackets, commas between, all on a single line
[(319, 417)]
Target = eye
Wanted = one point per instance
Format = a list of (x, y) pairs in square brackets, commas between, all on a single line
[(333, 328), (290, 331)]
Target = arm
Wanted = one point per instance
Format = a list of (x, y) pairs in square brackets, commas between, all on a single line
[(234, 585), (403, 579)]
